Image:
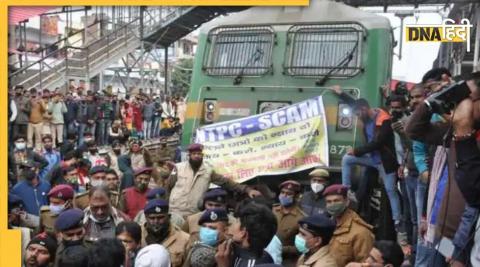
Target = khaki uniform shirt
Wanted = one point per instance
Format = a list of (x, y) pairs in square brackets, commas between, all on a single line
[(321, 258), (287, 228), (176, 243), (189, 187), (47, 219), (352, 239)]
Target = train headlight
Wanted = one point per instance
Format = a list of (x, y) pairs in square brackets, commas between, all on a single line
[(346, 111), (344, 117), (209, 108)]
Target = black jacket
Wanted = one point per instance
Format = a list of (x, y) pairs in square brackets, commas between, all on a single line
[(244, 258), (468, 170), (383, 141)]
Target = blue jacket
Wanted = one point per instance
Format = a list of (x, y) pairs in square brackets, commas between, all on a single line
[(420, 152), (312, 203), (72, 110), (33, 197)]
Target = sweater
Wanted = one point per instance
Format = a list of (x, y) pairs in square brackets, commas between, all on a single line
[(57, 110), (36, 111)]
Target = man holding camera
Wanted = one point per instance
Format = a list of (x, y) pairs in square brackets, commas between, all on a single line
[(447, 213), (465, 124)]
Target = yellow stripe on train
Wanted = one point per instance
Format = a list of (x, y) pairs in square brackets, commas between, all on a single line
[(195, 111)]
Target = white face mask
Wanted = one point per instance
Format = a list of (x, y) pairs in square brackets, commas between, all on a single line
[(97, 182), (99, 221), (317, 187), (56, 209), (20, 145)]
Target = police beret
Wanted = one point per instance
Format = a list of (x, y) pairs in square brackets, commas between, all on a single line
[(213, 215), (291, 185), (139, 171), (215, 194), (14, 201), (97, 169), (61, 191), (159, 206), (195, 147), (156, 193), (47, 241), (336, 189), (69, 219), (319, 173), (317, 224)]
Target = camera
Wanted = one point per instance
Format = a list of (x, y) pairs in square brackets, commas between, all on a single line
[(447, 98)]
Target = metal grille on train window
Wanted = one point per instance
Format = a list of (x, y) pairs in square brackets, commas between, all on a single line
[(319, 50), (243, 51)]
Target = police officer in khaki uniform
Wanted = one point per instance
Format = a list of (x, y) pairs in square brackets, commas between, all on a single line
[(353, 238), (213, 224), (313, 201), (288, 214), (159, 230), (155, 193), (61, 198), (98, 176), (312, 241), (215, 198), (72, 251)]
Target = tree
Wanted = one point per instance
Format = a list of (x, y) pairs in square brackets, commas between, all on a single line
[(182, 75)]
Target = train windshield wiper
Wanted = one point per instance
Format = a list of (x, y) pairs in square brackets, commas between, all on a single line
[(344, 62), (256, 56)]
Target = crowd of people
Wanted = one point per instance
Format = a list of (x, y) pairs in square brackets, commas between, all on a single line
[(103, 115), (76, 206)]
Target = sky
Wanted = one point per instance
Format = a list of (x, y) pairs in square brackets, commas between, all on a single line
[(417, 58)]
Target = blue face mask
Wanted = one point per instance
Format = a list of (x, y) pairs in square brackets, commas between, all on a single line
[(285, 201), (208, 236), (301, 244)]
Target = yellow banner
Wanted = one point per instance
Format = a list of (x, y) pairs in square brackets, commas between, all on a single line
[(287, 140)]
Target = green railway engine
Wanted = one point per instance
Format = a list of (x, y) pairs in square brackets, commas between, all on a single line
[(265, 58)]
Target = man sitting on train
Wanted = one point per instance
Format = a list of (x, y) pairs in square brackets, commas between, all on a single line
[(378, 151)]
